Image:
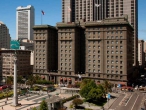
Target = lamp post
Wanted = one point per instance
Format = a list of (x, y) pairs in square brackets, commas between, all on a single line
[(15, 97)]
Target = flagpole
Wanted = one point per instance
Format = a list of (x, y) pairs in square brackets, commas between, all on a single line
[(67, 15)]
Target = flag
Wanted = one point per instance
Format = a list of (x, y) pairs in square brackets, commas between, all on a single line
[(79, 76), (43, 12), (69, 9), (97, 5)]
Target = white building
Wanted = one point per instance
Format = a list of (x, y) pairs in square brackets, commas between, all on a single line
[(4, 36), (24, 22)]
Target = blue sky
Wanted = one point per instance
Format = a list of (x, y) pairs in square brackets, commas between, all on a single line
[(52, 9)]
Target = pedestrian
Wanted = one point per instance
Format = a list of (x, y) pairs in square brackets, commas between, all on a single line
[(2, 107)]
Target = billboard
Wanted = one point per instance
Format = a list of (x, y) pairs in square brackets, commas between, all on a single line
[(14, 44)]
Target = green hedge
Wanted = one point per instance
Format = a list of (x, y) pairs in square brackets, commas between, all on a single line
[(70, 98), (4, 94)]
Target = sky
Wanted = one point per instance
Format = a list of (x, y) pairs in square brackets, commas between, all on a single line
[(52, 9)]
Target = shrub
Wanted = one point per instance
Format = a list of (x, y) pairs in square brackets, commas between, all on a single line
[(43, 82), (77, 102), (43, 105), (34, 108), (70, 98), (36, 88)]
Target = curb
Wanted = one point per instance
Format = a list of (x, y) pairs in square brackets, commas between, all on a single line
[(112, 103)]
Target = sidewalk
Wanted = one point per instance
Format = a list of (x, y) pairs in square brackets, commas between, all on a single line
[(111, 101), (87, 105)]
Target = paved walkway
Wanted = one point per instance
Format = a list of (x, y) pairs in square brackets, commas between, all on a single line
[(32, 99)]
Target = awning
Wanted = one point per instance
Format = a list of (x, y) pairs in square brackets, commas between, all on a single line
[(122, 83), (43, 76), (70, 79), (61, 78)]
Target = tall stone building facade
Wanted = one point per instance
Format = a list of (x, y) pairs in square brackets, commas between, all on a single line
[(97, 50), (45, 50)]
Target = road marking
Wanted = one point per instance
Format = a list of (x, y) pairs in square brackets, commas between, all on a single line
[(123, 99), (134, 102), (128, 100)]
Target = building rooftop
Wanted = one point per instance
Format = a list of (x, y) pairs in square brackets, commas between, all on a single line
[(44, 26), (53, 99), (1, 22)]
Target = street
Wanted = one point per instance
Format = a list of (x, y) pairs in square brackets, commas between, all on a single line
[(129, 101)]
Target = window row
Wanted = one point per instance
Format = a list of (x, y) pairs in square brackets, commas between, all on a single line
[(114, 37), (66, 60), (65, 34), (65, 42), (117, 47), (65, 69), (65, 55), (66, 51), (114, 72), (114, 57), (112, 61), (66, 46), (65, 64), (112, 42)]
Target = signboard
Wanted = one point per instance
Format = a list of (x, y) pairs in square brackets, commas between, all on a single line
[(119, 85), (14, 44), (108, 96)]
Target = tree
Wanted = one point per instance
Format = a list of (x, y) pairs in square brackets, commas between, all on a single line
[(31, 80), (77, 102), (87, 88), (9, 80), (37, 77), (34, 108), (43, 105), (19, 79), (101, 90), (107, 86)]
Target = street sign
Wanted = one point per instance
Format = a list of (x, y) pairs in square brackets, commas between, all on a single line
[(108, 96)]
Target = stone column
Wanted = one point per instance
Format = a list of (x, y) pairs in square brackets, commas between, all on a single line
[(15, 97)]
